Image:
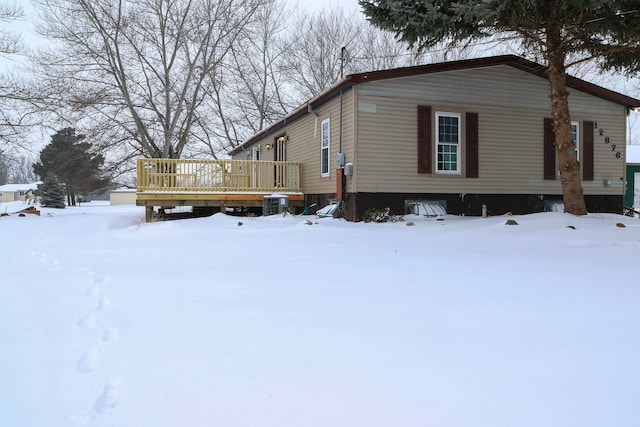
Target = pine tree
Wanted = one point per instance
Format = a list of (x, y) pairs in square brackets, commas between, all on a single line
[(70, 159), (51, 193), (561, 32)]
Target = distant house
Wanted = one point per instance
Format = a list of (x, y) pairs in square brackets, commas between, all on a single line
[(632, 194), (122, 196), (18, 192), (462, 134)]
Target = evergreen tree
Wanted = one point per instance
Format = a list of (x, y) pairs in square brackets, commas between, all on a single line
[(51, 193), (559, 32), (69, 158)]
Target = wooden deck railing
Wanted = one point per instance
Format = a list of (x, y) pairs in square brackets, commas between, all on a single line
[(239, 176)]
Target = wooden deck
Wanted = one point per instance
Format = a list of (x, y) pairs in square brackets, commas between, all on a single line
[(167, 183)]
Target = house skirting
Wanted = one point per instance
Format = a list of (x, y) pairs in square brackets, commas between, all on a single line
[(356, 204)]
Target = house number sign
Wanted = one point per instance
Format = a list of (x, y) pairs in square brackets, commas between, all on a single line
[(607, 140)]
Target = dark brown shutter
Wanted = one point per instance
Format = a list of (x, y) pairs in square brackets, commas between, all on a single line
[(587, 150), (549, 150), (424, 139), (472, 144)]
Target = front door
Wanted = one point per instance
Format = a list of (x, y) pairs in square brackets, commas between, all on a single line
[(255, 168), (280, 146), (280, 155)]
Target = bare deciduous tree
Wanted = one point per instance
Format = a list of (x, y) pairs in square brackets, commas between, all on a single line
[(22, 170), (10, 42), (379, 50), (140, 70), (315, 59), (333, 43), (252, 91), (19, 115), (16, 169), (11, 119)]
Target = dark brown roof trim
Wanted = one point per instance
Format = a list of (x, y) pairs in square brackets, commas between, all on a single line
[(511, 60)]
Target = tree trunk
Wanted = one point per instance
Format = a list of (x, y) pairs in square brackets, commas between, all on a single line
[(568, 164)]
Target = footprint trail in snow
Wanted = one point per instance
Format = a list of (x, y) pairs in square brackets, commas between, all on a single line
[(94, 332), (89, 361)]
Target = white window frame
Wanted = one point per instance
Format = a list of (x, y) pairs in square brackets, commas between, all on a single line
[(458, 170), (577, 126), (325, 144)]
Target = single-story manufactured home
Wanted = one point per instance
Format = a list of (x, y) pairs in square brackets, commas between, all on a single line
[(18, 192), (462, 134)]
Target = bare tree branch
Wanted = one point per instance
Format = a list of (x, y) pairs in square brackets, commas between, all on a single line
[(10, 42), (143, 66)]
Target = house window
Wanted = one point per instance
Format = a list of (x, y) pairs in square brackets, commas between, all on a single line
[(575, 135), (448, 143), (324, 148), (21, 193)]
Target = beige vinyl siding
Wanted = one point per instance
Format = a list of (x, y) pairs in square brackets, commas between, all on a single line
[(7, 196), (122, 197), (14, 196), (606, 165), (511, 105), (304, 143), (499, 85)]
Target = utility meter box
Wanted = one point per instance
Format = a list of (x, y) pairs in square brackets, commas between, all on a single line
[(348, 169)]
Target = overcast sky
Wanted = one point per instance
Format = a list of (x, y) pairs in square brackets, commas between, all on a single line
[(319, 4)]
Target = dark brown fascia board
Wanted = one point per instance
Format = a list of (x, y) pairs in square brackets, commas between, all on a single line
[(435, 68), (511, 60)]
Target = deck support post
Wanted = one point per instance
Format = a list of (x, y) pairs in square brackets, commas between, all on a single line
[(148, 213)]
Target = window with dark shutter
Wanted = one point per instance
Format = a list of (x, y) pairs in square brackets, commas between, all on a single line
[(549, 150), (448, 144), (424, 139), (472, 145), (587, 150)]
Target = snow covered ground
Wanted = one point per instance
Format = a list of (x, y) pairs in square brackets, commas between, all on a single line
[(463, 322)]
